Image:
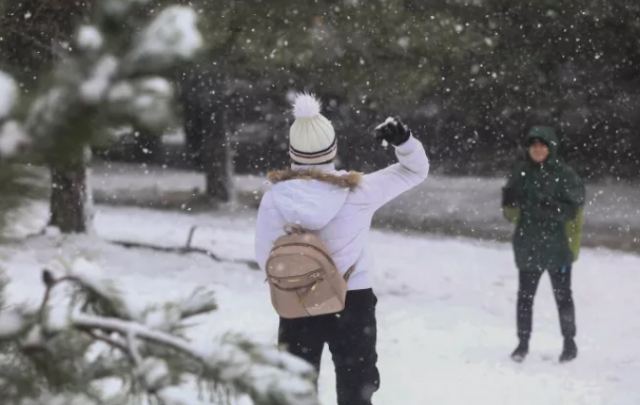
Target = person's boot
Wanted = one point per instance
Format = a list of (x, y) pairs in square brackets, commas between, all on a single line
[(521, 351), (569, 350)]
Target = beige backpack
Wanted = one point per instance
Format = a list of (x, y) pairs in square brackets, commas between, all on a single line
[(303, 278)]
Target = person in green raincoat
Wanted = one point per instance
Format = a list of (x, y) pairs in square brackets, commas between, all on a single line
[(544, 198)]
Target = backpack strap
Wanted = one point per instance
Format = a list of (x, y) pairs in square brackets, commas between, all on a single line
[(349, 272), (293, 229)]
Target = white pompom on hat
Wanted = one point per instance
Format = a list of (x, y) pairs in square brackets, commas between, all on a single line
[(312, 139)]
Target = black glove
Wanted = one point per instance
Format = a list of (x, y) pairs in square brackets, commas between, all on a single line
[(510, 197), (393, 131)]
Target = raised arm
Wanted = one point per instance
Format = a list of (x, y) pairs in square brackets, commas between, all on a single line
[(412, 168)]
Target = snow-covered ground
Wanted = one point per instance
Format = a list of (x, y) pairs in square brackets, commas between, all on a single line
[(446, 205), (445, 311)]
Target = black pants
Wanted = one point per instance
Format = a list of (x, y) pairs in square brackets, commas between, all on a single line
[(561, 283), (351, 336)]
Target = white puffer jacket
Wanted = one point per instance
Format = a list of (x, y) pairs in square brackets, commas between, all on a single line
[(341, 217)]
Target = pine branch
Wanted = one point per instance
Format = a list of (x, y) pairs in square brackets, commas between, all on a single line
[(57, 352), (228, 364), (132, 347), (113, 343), (201, 301)]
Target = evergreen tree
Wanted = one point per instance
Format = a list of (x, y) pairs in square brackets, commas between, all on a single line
[(84, 340), (107, 78), (13, 187)]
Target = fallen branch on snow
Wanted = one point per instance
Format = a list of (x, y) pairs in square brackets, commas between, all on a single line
[(186, 249)]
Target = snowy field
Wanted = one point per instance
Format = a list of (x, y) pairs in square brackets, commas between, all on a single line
[(444, 205), (445, 311)]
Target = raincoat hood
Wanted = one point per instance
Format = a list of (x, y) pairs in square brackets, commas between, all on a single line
[(548, 136)]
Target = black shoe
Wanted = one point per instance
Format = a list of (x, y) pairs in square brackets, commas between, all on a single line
[(521, 351), (569, 351)]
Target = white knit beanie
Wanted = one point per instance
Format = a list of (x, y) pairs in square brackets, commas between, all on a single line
[(312, 139)]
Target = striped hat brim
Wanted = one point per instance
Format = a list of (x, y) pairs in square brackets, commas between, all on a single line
[(322, 156)]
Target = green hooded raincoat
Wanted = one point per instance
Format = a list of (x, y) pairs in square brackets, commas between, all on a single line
[(545, 202)]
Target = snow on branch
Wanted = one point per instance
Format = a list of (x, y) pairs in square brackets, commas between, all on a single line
[(8, 94), (146, 350), (49, 111), (266, 375), (199, 302), (12, 323), (12, 134), (146, 101), (93, 280), (186, 249), (171, 37), (49, 398), (95, 87), (12, 138), (89, 38), (105, 85)]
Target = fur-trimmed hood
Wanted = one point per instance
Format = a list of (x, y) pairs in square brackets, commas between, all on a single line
[(311, 198), (350, 180)]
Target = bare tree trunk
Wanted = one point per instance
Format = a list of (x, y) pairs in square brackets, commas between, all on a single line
[(208, 144), (217, 160), (69, 196)]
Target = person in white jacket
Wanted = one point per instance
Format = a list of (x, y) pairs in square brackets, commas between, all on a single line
[(338, 206)]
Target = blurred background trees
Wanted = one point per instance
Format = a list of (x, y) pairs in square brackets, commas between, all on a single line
[(109, 75), (470, 76)]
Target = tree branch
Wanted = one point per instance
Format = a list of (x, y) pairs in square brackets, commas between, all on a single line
[(125, 328), (50, 283), (133, 348), (110, 342), (214, 363), (185, 250), (264, 373)]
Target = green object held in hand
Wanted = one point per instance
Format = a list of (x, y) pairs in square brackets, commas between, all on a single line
[(573, 229)]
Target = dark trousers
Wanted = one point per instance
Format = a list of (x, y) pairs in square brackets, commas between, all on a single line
[(351, 337), (561, 283)]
